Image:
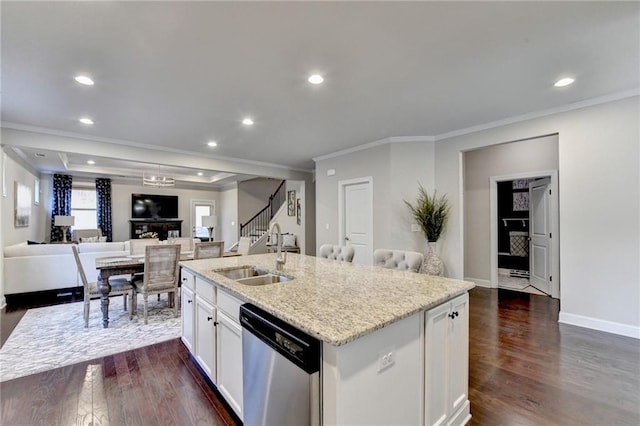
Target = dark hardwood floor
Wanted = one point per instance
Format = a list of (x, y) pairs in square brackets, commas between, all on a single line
[(525, 369)]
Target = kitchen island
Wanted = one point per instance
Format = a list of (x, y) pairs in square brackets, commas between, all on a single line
[(394, 343)]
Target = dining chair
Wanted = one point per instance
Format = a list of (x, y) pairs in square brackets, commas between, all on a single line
[(398, 259), (161, 275), (119, 286), (208, 250), (337, 252), (244, 245), (137, 246), (186, 243)]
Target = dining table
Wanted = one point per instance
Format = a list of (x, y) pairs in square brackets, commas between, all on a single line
[(125, 265)]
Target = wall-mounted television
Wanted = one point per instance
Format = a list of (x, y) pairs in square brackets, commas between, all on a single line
[(151, 206)]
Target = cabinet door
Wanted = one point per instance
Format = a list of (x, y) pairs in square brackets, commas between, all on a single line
[(205, 335), (187, 309), (458, 353), (230, 361), (436, 364)]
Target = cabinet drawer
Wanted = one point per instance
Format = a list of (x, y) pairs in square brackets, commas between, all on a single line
[(229, 305), (187, 279), (205, 290)]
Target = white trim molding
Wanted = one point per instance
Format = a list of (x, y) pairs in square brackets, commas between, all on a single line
[(600, 325), (379, 142), (479, 282)]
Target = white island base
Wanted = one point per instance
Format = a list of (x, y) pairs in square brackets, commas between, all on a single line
[(412, 372)]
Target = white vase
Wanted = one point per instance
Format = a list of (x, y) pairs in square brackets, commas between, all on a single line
[(432, 265)]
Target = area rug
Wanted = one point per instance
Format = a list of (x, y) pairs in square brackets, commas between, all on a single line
[(54, 336)]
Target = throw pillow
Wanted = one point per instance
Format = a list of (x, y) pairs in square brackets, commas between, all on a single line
[(89, 239), (288, 240)]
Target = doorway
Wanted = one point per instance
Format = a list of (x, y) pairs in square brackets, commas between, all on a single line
[(199, 209), (355, 217), (524, 233)]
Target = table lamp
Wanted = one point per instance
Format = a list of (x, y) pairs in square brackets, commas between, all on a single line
[(209, 222), (64, 222)]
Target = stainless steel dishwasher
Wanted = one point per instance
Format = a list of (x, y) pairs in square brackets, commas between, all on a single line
[(280, 372)]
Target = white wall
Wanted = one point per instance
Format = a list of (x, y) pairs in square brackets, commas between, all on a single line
[(18, 171), (228, 215), (599, 186), (479, 165), (397, 169)]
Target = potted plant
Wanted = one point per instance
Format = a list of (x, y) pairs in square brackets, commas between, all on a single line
[(431, 213)]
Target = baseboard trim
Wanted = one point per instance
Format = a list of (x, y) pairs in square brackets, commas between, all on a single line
[(479, 282), (600, 325)]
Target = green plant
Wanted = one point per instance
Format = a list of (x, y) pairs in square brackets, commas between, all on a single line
[(431, 213)]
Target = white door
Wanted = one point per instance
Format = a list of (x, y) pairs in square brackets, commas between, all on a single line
[(356, 218), (201, 208), (540, 235)]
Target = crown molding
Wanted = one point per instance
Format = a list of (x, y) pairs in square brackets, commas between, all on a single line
[(379, 142), (53, 132)]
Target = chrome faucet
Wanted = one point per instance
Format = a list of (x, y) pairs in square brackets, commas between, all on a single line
[(280, 260)]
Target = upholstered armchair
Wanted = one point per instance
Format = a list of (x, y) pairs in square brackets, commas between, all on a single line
[(336, 252), (398, 259)]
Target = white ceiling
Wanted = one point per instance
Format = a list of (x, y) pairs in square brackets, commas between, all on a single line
[(174, 75)]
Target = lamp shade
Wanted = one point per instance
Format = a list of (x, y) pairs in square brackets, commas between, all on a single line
[(209, 221), (64, 220)]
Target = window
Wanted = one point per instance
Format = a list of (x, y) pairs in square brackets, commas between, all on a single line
[(83, 208)]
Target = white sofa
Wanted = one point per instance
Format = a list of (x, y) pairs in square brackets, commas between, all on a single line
[(40, 267)]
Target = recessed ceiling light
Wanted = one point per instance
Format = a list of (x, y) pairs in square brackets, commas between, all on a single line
[(83, 79), (247, 122), (200, 173), (315, 79), (91, 162), (212, 143), (564, 82), (85, 120)]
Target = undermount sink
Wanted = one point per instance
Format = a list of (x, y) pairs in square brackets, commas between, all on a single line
[(252, 275), (264, 279)]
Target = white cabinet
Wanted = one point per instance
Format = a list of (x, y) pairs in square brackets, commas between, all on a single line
[(447, 363), (211, 331), (229, 334), (187, 303), (205, 336), (199, 320)]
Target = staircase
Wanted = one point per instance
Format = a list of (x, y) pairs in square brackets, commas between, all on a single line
[(258, 225)]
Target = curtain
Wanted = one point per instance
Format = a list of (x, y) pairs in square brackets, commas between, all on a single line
[(103, 206), (60, 204)]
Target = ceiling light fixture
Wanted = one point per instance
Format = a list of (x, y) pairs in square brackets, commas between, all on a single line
[(154, 177), (200, 173), (247, 122), (212, 143), (564, 82), (85, 120), (91, 162), (315, 79), (83, 79)]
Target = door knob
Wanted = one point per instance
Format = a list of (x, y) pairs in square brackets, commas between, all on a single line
[(346, 238)]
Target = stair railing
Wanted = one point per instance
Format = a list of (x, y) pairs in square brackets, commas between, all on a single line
[(259, 223)]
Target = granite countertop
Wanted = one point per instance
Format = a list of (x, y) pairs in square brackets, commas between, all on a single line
[(336, 302)]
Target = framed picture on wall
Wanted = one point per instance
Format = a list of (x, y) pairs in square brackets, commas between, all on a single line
[(298, 212), (291, 203), (22, 205)]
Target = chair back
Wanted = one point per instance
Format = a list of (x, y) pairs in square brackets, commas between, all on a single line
[(186, 243), (336, 252), (208, 250), (161, 268), (83, 276), (398, 259), (244, 245), (137, 247), (78, 234)]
